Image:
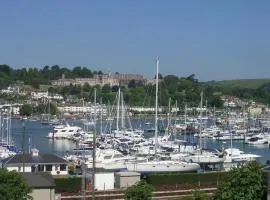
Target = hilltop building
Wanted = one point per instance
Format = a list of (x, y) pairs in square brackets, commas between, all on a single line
[(99, 79)]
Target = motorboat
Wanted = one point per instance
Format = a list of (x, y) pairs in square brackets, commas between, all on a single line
[(64, 132), (162, 166), (235, 158)]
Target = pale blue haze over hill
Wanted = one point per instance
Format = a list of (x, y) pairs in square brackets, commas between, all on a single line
[(213, 39)]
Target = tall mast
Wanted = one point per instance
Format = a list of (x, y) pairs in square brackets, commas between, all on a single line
[(185, 136), (156, 109), (201, 120), (117, 112), (101, 113), (122, 112), (206, 108), (169, 117), (94, 145)]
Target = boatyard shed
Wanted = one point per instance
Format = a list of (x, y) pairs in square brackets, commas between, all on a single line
[(36, 162), (104, 178), (42, 184), (126, 179)]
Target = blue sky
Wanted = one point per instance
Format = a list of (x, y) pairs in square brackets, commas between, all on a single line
[(215, 40)]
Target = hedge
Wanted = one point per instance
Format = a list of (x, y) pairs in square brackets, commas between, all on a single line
[(68, 184), (185, 178)]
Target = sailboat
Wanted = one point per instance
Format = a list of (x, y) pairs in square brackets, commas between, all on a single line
[(235, 157), (160, 165), (205, 156)]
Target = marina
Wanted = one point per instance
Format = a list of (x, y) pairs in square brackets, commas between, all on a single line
[(36, 135)]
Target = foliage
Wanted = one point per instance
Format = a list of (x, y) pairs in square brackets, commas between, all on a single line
[(68, 184), (179, 89), (13, 186), (193, 179), (35, 77), (26, 110), (140, 191), (245, 183), (240, 83), (45, 108)]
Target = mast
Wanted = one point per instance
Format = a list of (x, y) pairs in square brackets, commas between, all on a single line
[(23, 144), (185, 136), (201, 120), (94, 145), (122, 112), (169, 117), (109, 118), (206, 107), (1, 131), (101, 112), (245, 130), (117, 112), (156, 109)]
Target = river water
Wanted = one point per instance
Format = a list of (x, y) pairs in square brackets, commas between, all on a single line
[(36, 133)]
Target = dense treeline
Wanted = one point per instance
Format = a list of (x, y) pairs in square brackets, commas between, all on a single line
[(179, 89), (35, 76), (185, 89)]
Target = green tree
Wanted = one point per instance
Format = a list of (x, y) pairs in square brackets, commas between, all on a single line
[(140, 191), (244, 183), (26, 110), (13, 186)]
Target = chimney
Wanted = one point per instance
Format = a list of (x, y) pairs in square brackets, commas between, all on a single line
[(35, 152)]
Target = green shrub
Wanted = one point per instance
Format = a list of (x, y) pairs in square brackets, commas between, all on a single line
[(185, 178), (140, 191), (68, 184)]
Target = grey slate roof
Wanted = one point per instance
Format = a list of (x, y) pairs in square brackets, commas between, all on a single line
[(39, 180), (42, 158)]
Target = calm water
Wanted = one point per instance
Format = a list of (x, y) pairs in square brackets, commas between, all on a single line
[(37, 134)]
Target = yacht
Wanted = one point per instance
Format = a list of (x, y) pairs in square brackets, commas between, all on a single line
[(64, 132), (256, 140), (162, 166), (206, 156), (236, 157), (112, 159)]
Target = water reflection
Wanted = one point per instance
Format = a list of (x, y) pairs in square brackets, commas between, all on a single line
[(60, 145)]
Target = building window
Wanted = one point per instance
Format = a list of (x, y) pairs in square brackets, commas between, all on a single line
[(19, 169), (48, 168), (33, 168), (63, 167), (41, 168)]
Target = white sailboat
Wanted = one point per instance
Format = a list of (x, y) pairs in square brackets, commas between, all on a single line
[(235, 157), (204, 156), (165, 165)]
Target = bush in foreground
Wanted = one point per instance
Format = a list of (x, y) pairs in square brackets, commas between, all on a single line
[(245, 183), (13, 186), (140, 191)]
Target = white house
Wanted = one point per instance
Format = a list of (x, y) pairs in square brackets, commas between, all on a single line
[(39, 95), (36, 162), (83, 109)]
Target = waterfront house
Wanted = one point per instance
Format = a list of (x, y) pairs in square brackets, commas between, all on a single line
[(42, 184), (36, 162)]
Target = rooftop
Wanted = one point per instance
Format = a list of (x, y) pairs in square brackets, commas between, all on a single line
[(39, 180), (41, 158)]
